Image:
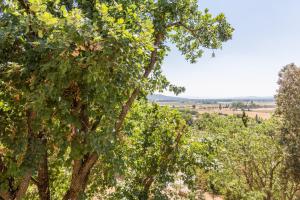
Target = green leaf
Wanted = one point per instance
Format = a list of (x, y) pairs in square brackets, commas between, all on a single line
[(48, 18), (40, 33)]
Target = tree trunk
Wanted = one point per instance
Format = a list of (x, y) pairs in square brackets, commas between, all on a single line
[(23, 186), (43, 176), (80, 175), (147, 184), (19, 193)]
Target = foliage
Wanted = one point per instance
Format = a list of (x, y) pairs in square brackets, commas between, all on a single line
[(154, 152), (69, 74), (189, 115), (248, 161), (288, 100), (244, 105)]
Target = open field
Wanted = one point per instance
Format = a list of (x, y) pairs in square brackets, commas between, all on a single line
[(264, 111), (264, 114)]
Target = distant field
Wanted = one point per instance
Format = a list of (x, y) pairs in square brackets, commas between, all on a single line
[(263, 107), (265, 110), (264, 113)]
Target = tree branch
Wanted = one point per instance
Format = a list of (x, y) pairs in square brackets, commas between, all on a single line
[(126, 107), (174, 24)]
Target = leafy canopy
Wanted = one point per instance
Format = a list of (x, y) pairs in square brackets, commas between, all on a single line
[(70, 71)]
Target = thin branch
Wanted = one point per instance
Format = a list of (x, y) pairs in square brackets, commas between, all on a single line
[(174, 24), (193, 32)]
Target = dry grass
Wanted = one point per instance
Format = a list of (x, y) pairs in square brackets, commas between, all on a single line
[(261, 113), (265, 112)]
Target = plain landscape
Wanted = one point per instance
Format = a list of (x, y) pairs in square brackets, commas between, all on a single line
[(261, 107)]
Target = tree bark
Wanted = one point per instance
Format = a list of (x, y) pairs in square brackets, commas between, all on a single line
[(80, 175), (43, 176), (19, 193), (4, 196), (23, 186), (147, 182)]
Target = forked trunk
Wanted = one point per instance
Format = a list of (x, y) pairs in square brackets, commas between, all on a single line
[(80, 175)]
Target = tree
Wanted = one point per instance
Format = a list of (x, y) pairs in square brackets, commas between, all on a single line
[(245, 118), (70, 72), (288, 100), (258, 119), (154, 151), (238, 105)]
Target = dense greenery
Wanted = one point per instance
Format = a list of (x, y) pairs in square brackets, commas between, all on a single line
[(69, 73), (155, 152), (156, 148), (248, 162)]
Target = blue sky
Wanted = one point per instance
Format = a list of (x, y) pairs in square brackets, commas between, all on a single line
[(266, 37)]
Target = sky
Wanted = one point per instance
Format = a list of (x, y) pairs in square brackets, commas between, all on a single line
[(266, 38)]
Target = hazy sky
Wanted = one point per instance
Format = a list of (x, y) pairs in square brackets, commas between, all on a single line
[(266, 37)]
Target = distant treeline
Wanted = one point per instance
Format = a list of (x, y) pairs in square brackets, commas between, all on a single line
[(161, 98)]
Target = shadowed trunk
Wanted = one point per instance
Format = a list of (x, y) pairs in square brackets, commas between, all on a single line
[(81, 167), (43, 175), (147, 184)]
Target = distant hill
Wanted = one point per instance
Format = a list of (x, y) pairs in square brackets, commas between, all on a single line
[(160, 97), (164, 98)]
